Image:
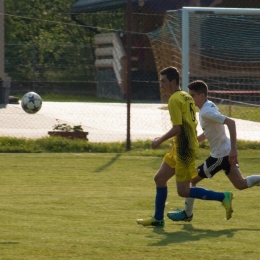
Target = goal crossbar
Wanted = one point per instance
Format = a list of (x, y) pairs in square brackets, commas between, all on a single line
[(186, 11), (235, 92)]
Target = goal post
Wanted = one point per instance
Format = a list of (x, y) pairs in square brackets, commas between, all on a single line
[(218, 45), (186, 12)]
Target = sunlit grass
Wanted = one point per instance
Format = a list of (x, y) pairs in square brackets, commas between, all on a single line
[(242, 112), (84, 206)]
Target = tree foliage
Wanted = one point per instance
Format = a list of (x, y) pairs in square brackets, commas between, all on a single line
[(43, 43), (39, 21)]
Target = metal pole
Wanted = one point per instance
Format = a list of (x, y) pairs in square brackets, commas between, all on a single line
[(222, 10), (185, 49), (129, 69)]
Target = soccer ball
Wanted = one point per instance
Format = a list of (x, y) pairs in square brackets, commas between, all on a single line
[(31, 103)]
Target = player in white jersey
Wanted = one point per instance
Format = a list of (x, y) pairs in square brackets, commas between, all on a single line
[(223, 155)]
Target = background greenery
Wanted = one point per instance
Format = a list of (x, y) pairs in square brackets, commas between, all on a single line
[(62, 145), (46, 45)]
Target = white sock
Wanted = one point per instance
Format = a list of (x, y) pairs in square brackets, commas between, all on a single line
[(188, 206), (253, 180)]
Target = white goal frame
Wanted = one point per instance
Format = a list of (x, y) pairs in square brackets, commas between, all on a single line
[(185, 32)]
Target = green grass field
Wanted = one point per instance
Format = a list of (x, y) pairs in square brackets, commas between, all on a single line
[(84, 206)]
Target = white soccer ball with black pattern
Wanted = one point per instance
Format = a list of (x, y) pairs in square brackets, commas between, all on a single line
[(31, 102)]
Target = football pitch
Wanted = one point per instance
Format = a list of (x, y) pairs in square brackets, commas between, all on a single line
[(85, 206)]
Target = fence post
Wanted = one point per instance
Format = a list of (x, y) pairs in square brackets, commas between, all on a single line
[(229, 107), (129, 80)]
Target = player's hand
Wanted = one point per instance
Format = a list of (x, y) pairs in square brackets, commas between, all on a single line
[(232, 158), (156, 143)]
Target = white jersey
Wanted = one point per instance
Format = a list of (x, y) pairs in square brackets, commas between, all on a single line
[(211, 121)]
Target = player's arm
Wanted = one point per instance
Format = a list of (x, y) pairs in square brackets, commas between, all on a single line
[(231, 124), (171, 133), (201, 138)]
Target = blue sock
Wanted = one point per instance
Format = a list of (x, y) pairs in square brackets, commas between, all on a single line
[(160, 199), (204, 194)]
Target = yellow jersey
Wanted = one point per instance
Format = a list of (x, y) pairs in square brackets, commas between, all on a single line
[(182, 112)]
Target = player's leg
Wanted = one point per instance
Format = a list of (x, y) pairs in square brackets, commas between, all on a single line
[(201, 193), (186, 214), (166, 171), (184, 190), (161, 178), (253, 180), (206, 170), (185, 173), (236, 178), (234, 175)]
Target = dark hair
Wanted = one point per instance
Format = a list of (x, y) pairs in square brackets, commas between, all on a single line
[(171, 74), (199, 86)]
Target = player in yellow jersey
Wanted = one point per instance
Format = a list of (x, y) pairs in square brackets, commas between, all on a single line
[(180, 161)]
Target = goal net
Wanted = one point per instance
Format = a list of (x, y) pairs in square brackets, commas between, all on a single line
[(220, 46)]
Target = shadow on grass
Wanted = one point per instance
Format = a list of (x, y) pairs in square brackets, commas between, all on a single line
[(189, 233), (102, 168), (9, 243)]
